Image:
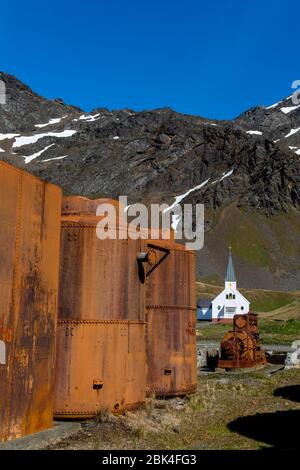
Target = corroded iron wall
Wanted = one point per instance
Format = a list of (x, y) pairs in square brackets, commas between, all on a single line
[(101, 318), (102, 366), (29, 262), (171, 320), (98, 278)]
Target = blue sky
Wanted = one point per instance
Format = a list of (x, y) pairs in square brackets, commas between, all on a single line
[(211, 58)]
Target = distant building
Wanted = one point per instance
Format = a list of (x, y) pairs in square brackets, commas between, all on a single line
[(230, 301), (204, 308)]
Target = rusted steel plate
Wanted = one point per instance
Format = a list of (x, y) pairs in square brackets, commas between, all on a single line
[(171, 321), (99, 280), (29, 255), (100, 365), (80, 205)]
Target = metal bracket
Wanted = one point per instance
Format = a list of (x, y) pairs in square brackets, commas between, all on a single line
[(151, 259)]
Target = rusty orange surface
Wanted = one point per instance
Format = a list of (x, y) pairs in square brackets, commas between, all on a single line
[(171, 320), (99, 280), (29, 254), (80, 205), (240, 347), (100, 365)]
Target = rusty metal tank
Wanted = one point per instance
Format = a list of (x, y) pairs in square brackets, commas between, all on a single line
[(100, 339), (29, 255), (170, 319)]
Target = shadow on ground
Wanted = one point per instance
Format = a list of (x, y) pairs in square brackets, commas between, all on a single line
[(276, 429), (291, 392)]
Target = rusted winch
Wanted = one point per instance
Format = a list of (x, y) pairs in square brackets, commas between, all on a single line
[(240, 347)]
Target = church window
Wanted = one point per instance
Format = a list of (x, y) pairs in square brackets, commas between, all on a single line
[(219, 307), (242, 308)]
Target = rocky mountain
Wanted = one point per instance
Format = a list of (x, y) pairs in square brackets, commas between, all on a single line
[(249, 166), (279, 122), (24, 107)]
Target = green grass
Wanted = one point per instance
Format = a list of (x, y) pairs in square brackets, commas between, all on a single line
[(215, 280), (279, 332), (244, 231), (271, 331), (266, 301), (212, 332), (270, 244)]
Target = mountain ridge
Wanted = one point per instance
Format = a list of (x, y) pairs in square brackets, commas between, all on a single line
[(251, 162)]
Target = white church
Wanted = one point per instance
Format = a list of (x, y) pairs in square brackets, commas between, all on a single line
[(227, 304)]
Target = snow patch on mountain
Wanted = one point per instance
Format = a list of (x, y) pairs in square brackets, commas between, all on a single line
[(254, 132), (178, 199), (8, 136), (273, 105), (225, 175), (29, 158), (55, 158), (32, 139), (88, 117), (295, 149), (51, 122), (289, 109), (175, 220), (292, 132)]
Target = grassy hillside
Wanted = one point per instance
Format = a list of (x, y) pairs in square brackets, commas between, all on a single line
[(266, 249)]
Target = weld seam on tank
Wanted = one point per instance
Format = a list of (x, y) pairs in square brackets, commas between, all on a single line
[(77, 412), (180, 307), (177, 391), (23, 173), (95, 412), (102, 322)]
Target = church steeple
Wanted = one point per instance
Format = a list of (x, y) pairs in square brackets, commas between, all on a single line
[(230, 274)]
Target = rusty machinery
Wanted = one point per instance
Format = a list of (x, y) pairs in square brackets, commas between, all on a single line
[(240, 347), (29, 253), (100, 338), (170, 318)]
